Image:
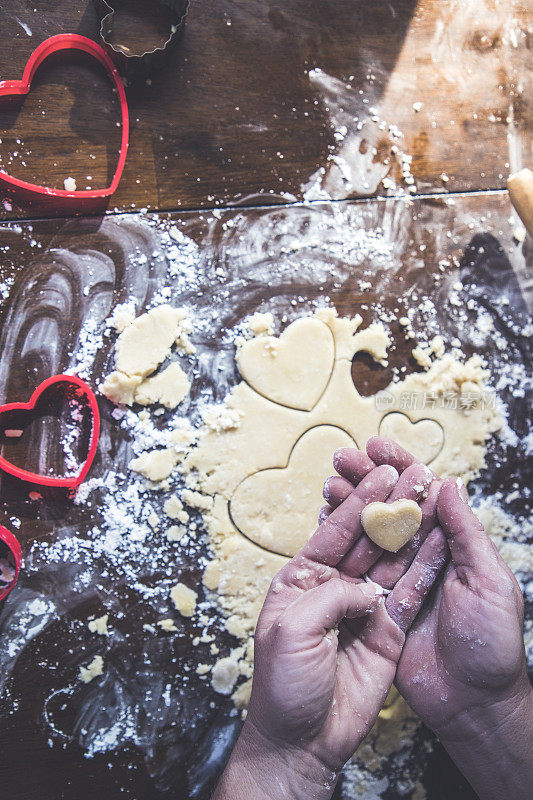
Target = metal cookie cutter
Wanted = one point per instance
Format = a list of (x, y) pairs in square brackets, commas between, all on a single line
[(88, 198), (142, 64), (15, 416)]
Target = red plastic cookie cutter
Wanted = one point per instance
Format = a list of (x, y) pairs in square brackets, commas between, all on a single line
[(34, 191), (74, 388), (12, 544)]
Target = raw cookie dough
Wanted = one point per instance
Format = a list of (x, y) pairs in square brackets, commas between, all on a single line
[(141, 347), (184, 599), (292, 370), (99, 625), (145, 344), (276, 508), (168, 387), (156, 465), (391, 525), (93, 670), (260, 435)]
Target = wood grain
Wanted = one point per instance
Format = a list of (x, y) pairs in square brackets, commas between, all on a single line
[(239, 116), (429, 238)]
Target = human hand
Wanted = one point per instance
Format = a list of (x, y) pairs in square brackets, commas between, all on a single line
[(463, 666), (326, 652)]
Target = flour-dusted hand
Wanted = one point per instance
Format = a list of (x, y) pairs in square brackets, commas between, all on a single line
[(463, 667), (326, 652)]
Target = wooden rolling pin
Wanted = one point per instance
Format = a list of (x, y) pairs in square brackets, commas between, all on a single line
[(520, 187)]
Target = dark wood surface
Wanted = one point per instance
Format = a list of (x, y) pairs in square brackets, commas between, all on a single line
[(235, 119)]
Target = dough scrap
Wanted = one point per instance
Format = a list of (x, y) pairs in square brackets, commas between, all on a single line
[(99, 625), (391, 525), (184, 599), (156, 465), (141, 347), (120, 388), (168, 387), (145, 344), (259, 324), (276, 508), (93, 670), (167, 625), (224, 675), (292, 369)]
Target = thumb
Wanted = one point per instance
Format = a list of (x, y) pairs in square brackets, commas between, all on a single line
[(470, 547), (320, 609)]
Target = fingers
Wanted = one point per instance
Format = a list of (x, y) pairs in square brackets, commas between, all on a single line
[(391, 566), (470, 547), (352, 464), (320, 609), (338, 533), (407, 597), (336, 490), (412, 485), (386, 451)]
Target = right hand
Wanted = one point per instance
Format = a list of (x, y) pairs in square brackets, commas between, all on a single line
[(465, 651)]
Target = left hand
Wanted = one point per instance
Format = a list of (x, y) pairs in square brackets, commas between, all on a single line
[(326, 650)]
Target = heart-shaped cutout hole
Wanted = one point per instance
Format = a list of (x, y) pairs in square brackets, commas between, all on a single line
[(424, 439), (391, 525), (293, 369), (57, 94), (52, 439), (277, 508)]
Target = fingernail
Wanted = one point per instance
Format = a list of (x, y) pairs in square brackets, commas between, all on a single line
[(326, 489), (373, 588), (338, 458)]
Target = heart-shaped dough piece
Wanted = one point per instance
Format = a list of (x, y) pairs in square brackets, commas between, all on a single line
[(277, 508), (292, 370), (391, 525), (424, 439)]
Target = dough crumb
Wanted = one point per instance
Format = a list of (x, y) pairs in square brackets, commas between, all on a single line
[(69, 184), (167, 625), (168, 387), (221, 418), (176, 533), (93, 670), (184, 599), (155, 465), (197, 500), (122, 316), (99, 625), (120, 388), (173, 508), (224, 675), (145, 344), (261, 324)]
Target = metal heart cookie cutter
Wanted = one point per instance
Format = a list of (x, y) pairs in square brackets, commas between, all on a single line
[(82, 430), (32, 191), (148, 59), (10, 561)]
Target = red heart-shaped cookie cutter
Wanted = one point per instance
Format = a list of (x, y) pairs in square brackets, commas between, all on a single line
[(33, 191), (72, 387), (13, 546)]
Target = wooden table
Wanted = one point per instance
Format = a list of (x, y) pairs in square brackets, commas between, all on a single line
[(278, 112)]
